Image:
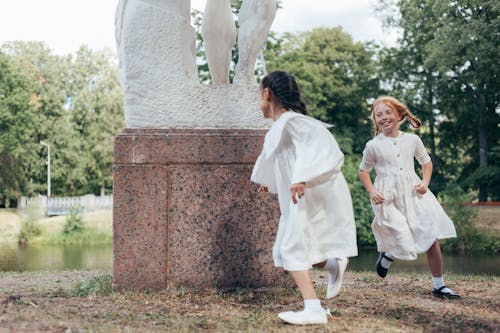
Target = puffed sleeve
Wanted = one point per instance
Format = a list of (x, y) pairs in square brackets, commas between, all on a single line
[(317, 155), (420, 152), (263, 173), (368, 159)]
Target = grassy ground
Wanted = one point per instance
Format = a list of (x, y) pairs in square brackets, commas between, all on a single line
[(47, 302)]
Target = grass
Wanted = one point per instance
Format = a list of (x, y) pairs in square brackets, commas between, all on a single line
[(74, 301), (487, 219), (98, 228)]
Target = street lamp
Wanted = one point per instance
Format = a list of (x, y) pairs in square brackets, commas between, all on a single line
[(48, 166)]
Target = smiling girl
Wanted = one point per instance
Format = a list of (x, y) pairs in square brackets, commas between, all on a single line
[(408, 218)]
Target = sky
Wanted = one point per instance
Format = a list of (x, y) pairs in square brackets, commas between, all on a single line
[(64, 25)]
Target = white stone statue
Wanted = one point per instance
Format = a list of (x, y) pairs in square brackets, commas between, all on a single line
[(219, 37), (218, 29), (156, 50), (255, 19)]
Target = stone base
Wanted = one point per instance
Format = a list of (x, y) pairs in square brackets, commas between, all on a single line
[(185, 213)]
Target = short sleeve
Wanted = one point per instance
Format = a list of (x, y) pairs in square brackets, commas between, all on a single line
[(368, 159), (421, 153)]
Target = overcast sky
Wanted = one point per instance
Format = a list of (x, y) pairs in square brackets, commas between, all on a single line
[(66, 24)]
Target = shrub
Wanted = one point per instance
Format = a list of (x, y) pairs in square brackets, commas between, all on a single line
[(30, 228), (74, 223), (469, 239)]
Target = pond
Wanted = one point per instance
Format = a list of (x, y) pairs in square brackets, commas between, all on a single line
[(57, 257), (32, 258)]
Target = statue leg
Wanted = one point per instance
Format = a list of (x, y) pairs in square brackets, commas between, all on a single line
[(219, 37), (255, 19)]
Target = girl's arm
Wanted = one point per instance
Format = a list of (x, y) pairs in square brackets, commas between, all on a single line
[(375, 196), (426, 178)]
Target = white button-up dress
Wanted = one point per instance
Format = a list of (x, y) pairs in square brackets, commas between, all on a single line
[(407, 223), (297, 149)]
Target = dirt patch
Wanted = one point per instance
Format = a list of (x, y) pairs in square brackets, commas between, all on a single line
[(47, 302)]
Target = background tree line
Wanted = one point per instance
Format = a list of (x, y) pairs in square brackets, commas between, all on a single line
[(445, 67), (74, 103)]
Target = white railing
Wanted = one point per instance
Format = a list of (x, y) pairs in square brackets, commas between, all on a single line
[(63, 205)]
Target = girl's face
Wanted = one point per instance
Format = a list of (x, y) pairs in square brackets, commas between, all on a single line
[(264, 101), (386, 119)]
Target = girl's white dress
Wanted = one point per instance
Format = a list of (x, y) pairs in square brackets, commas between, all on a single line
[(407, 223), (297, 149)]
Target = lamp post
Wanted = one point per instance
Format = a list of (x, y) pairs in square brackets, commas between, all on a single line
[(48, 166)]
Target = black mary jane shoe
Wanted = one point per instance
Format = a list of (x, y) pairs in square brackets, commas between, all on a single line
[(447, 294), (381, 271)]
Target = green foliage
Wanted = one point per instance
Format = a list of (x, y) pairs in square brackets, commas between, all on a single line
[(88, 236), (337, 78), (30, 229), (469, 239), (18, 122), (74, 103), (97, 286), (74, 222)]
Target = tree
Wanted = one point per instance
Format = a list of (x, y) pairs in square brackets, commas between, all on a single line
[(465, 49), (49, 74), (78, 103), (96, 107), (19, 119), (337, 77)]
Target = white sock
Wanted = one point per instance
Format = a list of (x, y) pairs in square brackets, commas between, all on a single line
[(332, 265), (312, 305), (438, 282), (385, 262)]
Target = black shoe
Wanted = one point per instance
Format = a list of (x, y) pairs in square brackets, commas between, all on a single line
[(448, 294), (381, 271)]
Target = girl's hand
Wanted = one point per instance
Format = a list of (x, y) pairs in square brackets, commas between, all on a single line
[(421, 188), (263, 189), (376, 197), (297, 190)]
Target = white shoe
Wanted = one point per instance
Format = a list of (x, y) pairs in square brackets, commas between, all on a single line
[(305, 317), (335, 278)]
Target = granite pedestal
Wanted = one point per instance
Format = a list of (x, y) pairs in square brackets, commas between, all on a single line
[(185, 213)]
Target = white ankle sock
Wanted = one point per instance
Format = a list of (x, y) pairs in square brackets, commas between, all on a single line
[(437, 282), (385, 262), (312, 305)]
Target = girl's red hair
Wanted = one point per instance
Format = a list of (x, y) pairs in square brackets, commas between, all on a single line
[(400, 108)]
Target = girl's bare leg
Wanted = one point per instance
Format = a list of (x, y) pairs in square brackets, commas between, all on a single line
[(435, 260), (304, 283)]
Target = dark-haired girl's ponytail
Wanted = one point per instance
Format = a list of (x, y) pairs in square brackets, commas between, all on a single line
[(286, 90)]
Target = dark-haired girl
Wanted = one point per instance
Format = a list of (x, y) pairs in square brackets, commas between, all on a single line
[(301, 162)]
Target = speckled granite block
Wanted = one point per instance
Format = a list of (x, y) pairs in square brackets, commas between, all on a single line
[(186, 214)]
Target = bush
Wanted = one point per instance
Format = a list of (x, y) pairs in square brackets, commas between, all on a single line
[(30, 228), (469, 239), (74, 223)]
